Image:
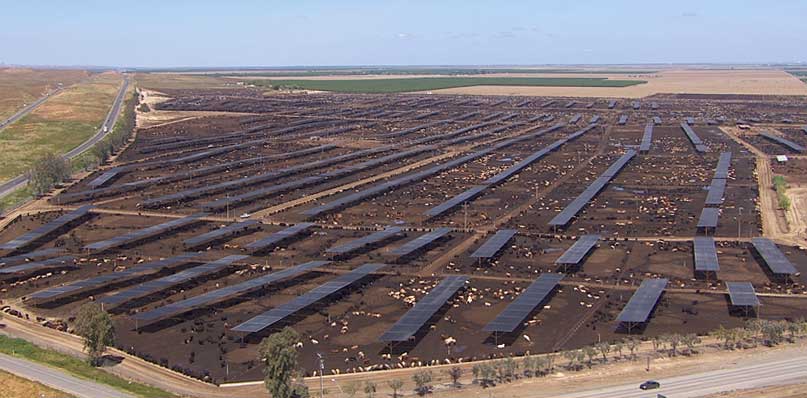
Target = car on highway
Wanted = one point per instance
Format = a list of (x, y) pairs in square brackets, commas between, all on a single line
[(650, 385)]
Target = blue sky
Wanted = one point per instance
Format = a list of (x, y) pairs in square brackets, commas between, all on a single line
[(348, 32)]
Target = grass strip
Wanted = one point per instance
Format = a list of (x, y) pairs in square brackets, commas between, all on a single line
[(23, 349), (780, 185)]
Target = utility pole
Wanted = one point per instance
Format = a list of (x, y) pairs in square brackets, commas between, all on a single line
[(465, 218), (321, 371)]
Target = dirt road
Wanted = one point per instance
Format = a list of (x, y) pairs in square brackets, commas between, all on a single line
[(789, 228)]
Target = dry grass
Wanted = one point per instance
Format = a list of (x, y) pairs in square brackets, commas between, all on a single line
[(17, 387), (60, 124), (22, 86), (173, 81), (788, 391)]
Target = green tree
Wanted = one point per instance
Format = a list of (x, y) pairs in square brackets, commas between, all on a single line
[(590, 353), (395, 385), (675, 341), (570, 356), (423, 380), (510, 367), (691, 341), (351, 389), (618, 347), (539, 364), (632, 344), (95, 326), (278, 353), (604, 348), (455, 373), (370, 389), (486, 374), (550, 362), (47, 172)]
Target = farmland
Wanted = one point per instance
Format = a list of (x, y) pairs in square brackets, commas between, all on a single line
[(436, 83), (209, 233), (415, 71)]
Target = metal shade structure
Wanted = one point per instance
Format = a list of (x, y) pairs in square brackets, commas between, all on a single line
[(221, 233), (218, 295), (166, 282), (275, 315), (647, 138), (705, 254), (783, 141), (417, 316), (420, 242), (34, 266), (112, 277), (773, 257), (717, 189), (742, 294), (457, 200), (39, 233), (516, 312), (145, 233), (709, 217), (578, 250), (577, 204), (30, 256), (643, 301), (278, 237), (365, 241), (723, 164), (693, 138), (494, 244)]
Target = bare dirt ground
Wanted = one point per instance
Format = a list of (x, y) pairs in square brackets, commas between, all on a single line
[(787, 226), (155, 117), (769, 82), (656, 198)]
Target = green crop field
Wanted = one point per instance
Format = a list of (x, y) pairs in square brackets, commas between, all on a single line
[(436, 83)]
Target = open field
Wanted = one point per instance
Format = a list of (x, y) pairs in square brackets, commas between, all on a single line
[(17, 387), (60, 124), (419, 71), (355, 164), (23, 86), (402, 85), (691, 81), (175, 81), (788, 391)]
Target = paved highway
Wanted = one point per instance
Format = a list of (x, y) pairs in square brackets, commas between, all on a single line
[(57, 379), (738, 377), (111, 118), (27, 109)]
